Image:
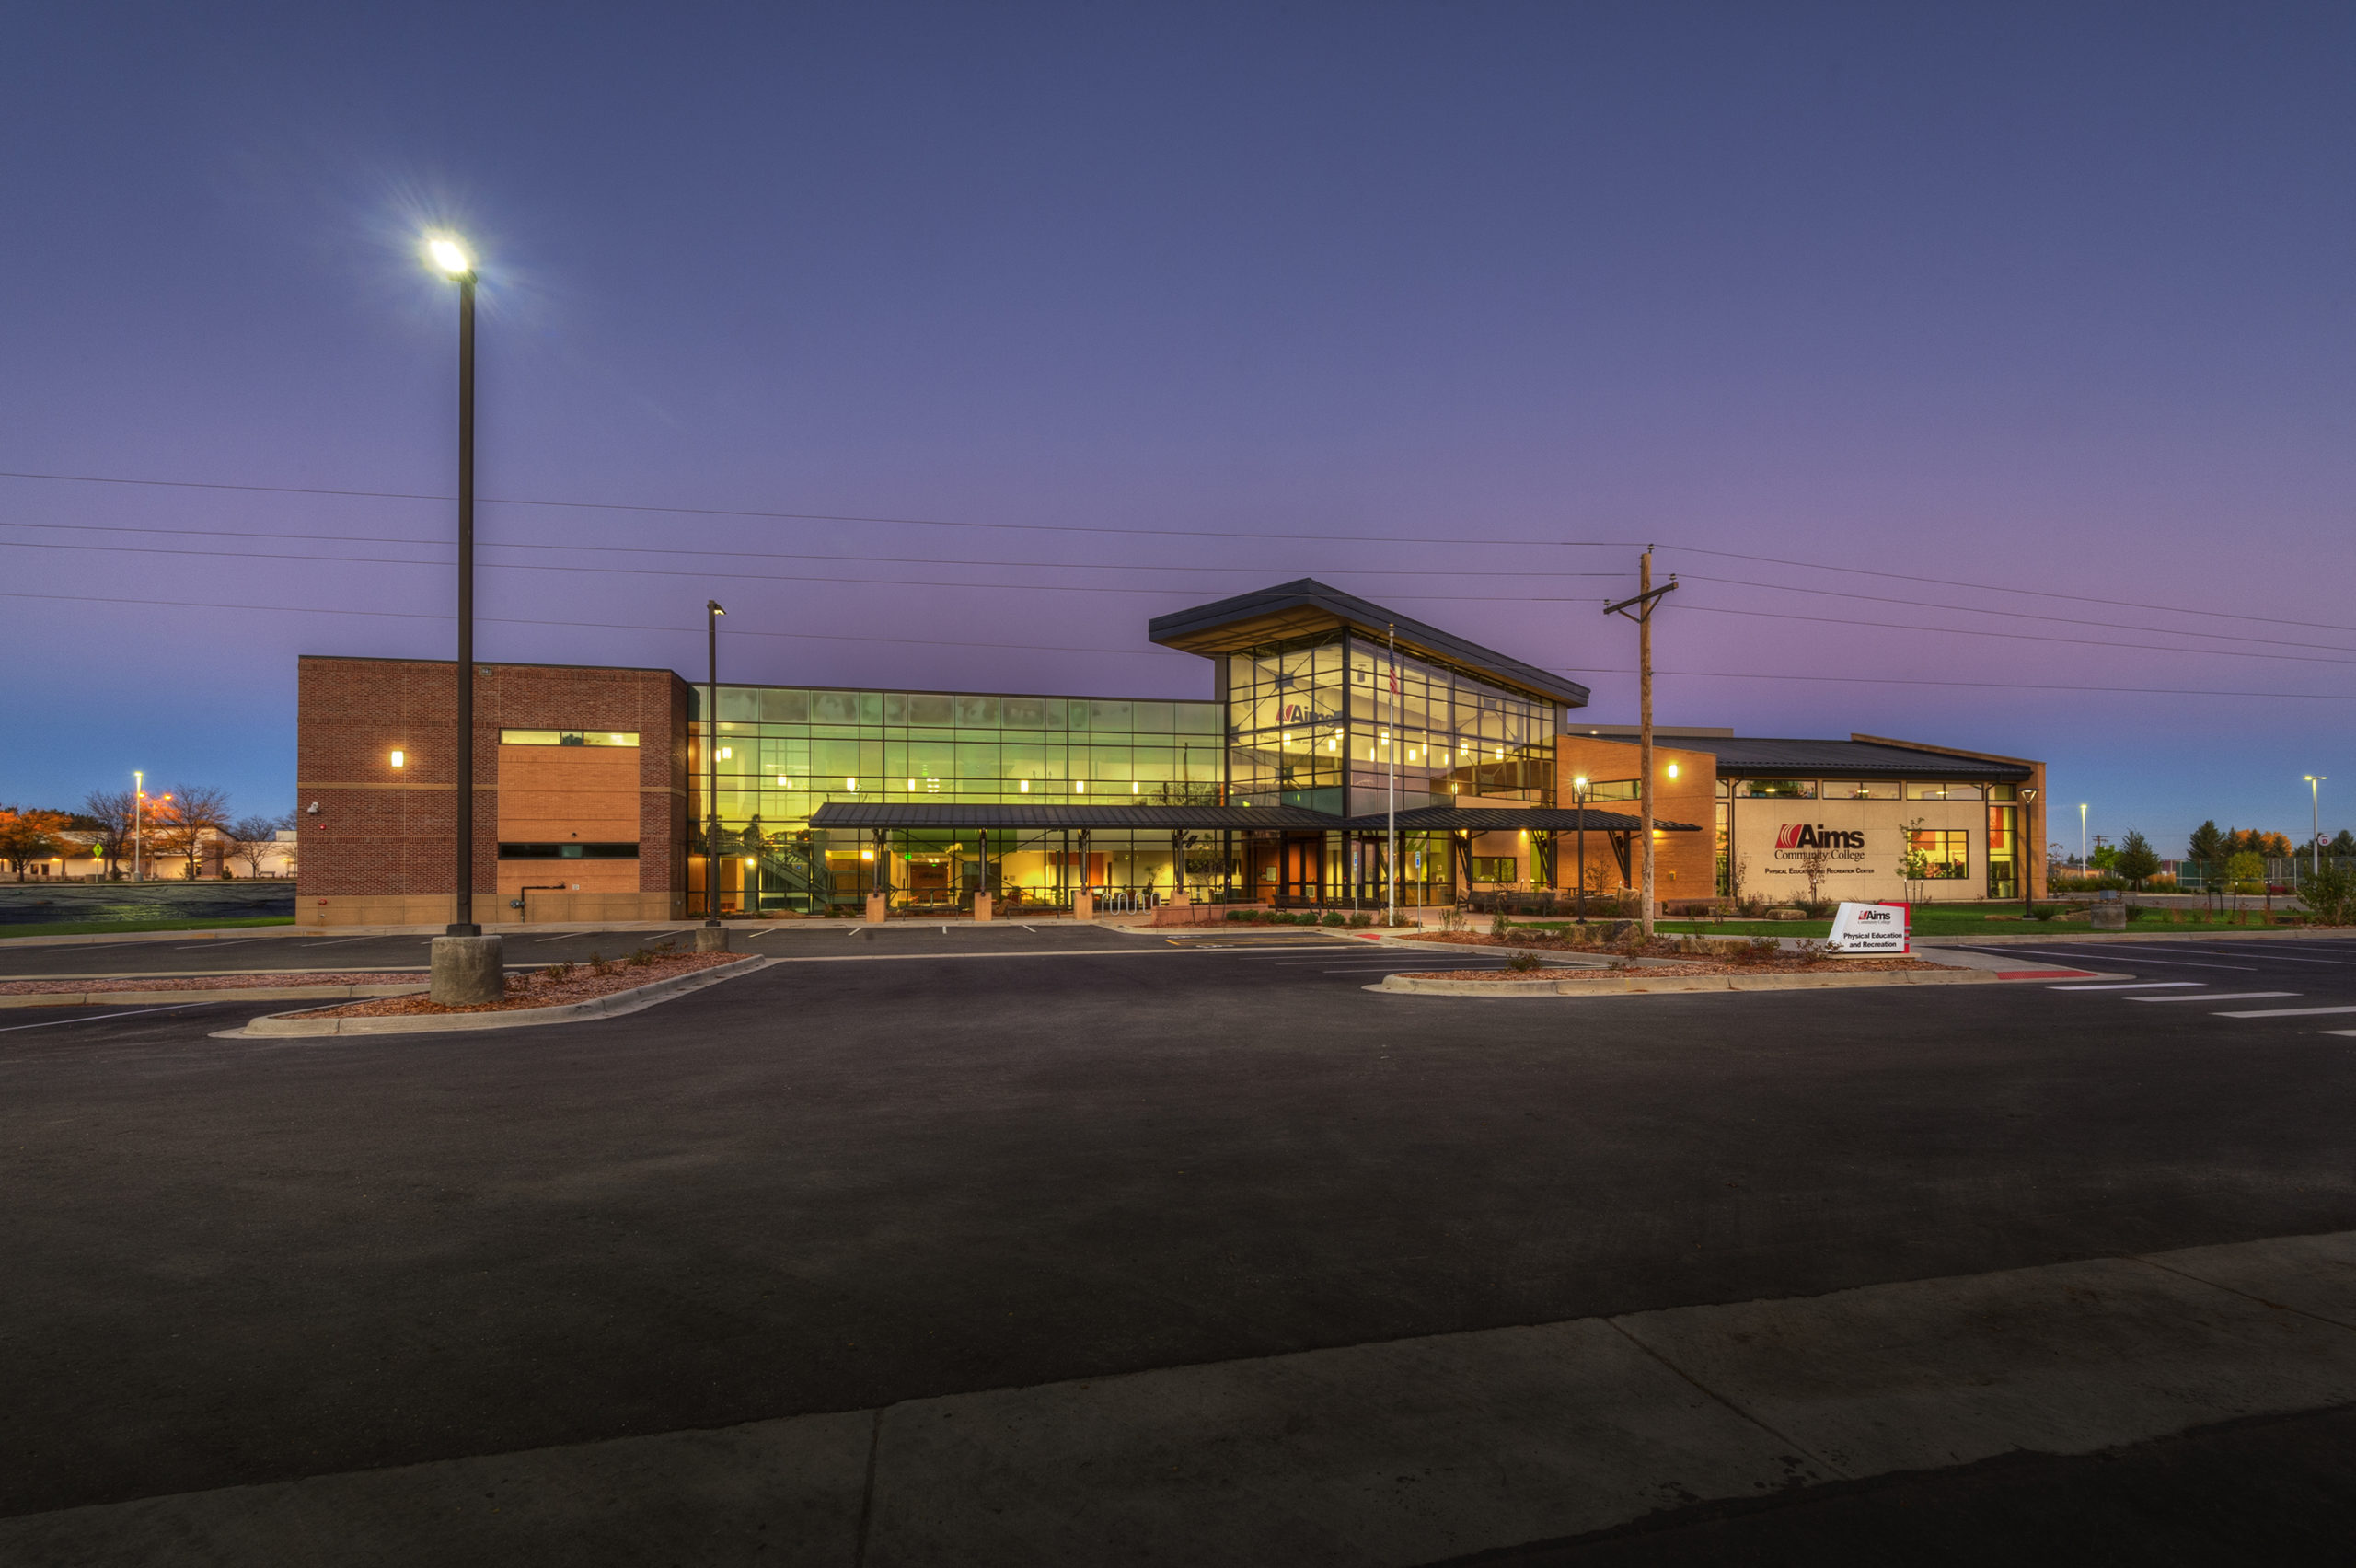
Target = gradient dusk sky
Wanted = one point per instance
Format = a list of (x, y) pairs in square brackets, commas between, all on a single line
[(2051, 300)]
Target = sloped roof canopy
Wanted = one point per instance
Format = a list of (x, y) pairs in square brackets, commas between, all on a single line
[(1493, 819), (915, 813), (1307, 607)]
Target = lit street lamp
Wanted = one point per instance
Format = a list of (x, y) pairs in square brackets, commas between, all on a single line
[(2314, 803), (451, 259), (1578, 793)]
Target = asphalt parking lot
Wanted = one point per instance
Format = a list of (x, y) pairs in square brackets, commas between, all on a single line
[(914, 1162)]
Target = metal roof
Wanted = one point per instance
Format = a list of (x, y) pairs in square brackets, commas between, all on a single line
[(1306, 605), (1744, 756), (1491, 819), (863, 814)]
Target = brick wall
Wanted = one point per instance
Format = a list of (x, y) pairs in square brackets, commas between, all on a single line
[(1685, 863), (383, 832)]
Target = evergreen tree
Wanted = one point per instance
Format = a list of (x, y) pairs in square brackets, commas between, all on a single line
[(2208, 852), (2135, 861)]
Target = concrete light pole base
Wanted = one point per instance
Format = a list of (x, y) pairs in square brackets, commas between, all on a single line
[(712, 939), (469, 971)]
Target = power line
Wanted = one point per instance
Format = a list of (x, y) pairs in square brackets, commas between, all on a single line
[(2023, 615), (1998, 588), (597, 626), (1039, 648), (2021, 636), (1989, 686), (817, 517), (674, 550)]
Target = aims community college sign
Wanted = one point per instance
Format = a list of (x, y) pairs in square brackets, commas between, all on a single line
[(1804, 835)]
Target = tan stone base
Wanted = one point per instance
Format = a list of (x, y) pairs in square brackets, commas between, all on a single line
[(981, 907), (877, 908), (1083, 905)]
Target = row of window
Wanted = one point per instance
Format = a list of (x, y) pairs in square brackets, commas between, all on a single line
[(782, 705), (1866, 790)]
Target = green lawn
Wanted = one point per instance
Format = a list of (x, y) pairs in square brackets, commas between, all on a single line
[(97, 928)]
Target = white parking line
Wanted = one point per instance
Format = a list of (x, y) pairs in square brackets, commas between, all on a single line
[(2288, 958), (2284, 1012), (92, 1017), (2129, 985), (2213, 997)]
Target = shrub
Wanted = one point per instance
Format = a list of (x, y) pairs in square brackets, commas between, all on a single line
[(556, 972), (1336, 918), (640, 959), (1452, 918), (597, 965), (1499, 927), (1243, 914), (1764, 950), (2329, 893), (1361, 918), (1524, 963), (1813, 952)]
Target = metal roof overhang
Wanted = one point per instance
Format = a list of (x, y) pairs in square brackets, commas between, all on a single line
[(1306, 605), (1493, 819), (859, 814)]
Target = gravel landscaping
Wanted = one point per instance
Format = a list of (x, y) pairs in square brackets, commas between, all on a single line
[(552, 987)]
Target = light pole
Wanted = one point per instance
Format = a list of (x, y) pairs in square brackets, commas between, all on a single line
[(1579, 794), (2083, 867), (138, 823), (451, 259), (469, 967), (2314, 803), (711, 614)]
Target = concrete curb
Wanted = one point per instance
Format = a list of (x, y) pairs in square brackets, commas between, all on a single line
[(284, 1026), (206, 994), (2272, 934), (1624, 984)]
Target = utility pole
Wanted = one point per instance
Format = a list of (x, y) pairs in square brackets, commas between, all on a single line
[(1640, 610)]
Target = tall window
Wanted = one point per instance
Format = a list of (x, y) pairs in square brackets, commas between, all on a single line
[(1938, 854), (2003, 854)]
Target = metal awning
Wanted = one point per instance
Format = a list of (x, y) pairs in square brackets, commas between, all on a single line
[(1493, 819), (864, 815)]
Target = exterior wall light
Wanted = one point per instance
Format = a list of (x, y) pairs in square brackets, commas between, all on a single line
[(1672, 770), (400, 759)]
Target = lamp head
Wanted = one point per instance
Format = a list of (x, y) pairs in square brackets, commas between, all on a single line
[(714, 605), (448, 255)]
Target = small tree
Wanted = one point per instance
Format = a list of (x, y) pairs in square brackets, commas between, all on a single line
[(250, 839), (1814, 863), (2135, 860), (1916, 866), (113, 810), (2208, 851), (29, 834), (2246, 871), (2330, 891), (184, 816)]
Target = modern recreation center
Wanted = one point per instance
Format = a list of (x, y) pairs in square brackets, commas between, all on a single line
[(1333, 728)]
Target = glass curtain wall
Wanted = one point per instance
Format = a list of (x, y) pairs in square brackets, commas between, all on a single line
[(784, 750), (1317, 722)]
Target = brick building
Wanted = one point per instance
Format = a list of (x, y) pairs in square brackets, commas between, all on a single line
[(581, 792)]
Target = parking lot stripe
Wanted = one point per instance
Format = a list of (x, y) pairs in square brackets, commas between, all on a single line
[(2129, 985), (2284, 1012), (92, 1017), (2213, 997)]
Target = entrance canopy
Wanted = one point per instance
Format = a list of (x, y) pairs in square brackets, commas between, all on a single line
[(1492, 819), (861, 814)]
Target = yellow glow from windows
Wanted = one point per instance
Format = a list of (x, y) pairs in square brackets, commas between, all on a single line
[(783, 782), (750, 861), (727, 753), (867, 854)]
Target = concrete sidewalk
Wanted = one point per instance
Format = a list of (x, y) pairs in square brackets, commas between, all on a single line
[(1399, 1453)]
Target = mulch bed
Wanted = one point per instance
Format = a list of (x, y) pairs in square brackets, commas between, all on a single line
[(1725, 955), (1790, 963), (210, 982), (545, 987)]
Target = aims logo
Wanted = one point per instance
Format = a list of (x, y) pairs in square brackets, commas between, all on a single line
[(1807, 835)]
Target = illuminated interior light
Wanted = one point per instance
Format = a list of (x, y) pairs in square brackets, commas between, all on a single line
[(750, 861), (1133, 786), (1079, 786), (614, 737), (850, 783), (1023, 786), (867, 854), (400, 759), (783, 782), (727, 753)]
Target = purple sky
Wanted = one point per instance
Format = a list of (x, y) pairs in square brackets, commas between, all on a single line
[(2052, 298)]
